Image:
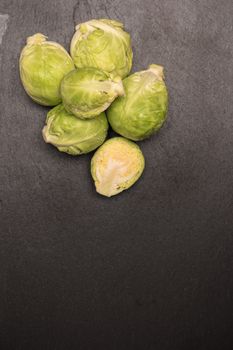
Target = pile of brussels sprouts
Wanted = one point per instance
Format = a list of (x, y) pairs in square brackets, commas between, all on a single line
[(90, 88)]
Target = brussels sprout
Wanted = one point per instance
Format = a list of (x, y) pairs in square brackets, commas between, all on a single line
[(87, 92), (143, 109), (116, 166), (73, 135), (42, 66), (102, 44)]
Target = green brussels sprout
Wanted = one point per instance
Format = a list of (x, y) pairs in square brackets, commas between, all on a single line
[(73, 135), (87, 92), (143, 109), (116, 166), (102, 44), (42, 66)]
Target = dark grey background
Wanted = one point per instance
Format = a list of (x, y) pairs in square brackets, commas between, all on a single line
[(152, 267)]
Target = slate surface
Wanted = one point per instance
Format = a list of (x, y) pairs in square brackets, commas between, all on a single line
[(148, 269)]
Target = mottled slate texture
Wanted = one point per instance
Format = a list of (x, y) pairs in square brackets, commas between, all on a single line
[(151, 268)]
